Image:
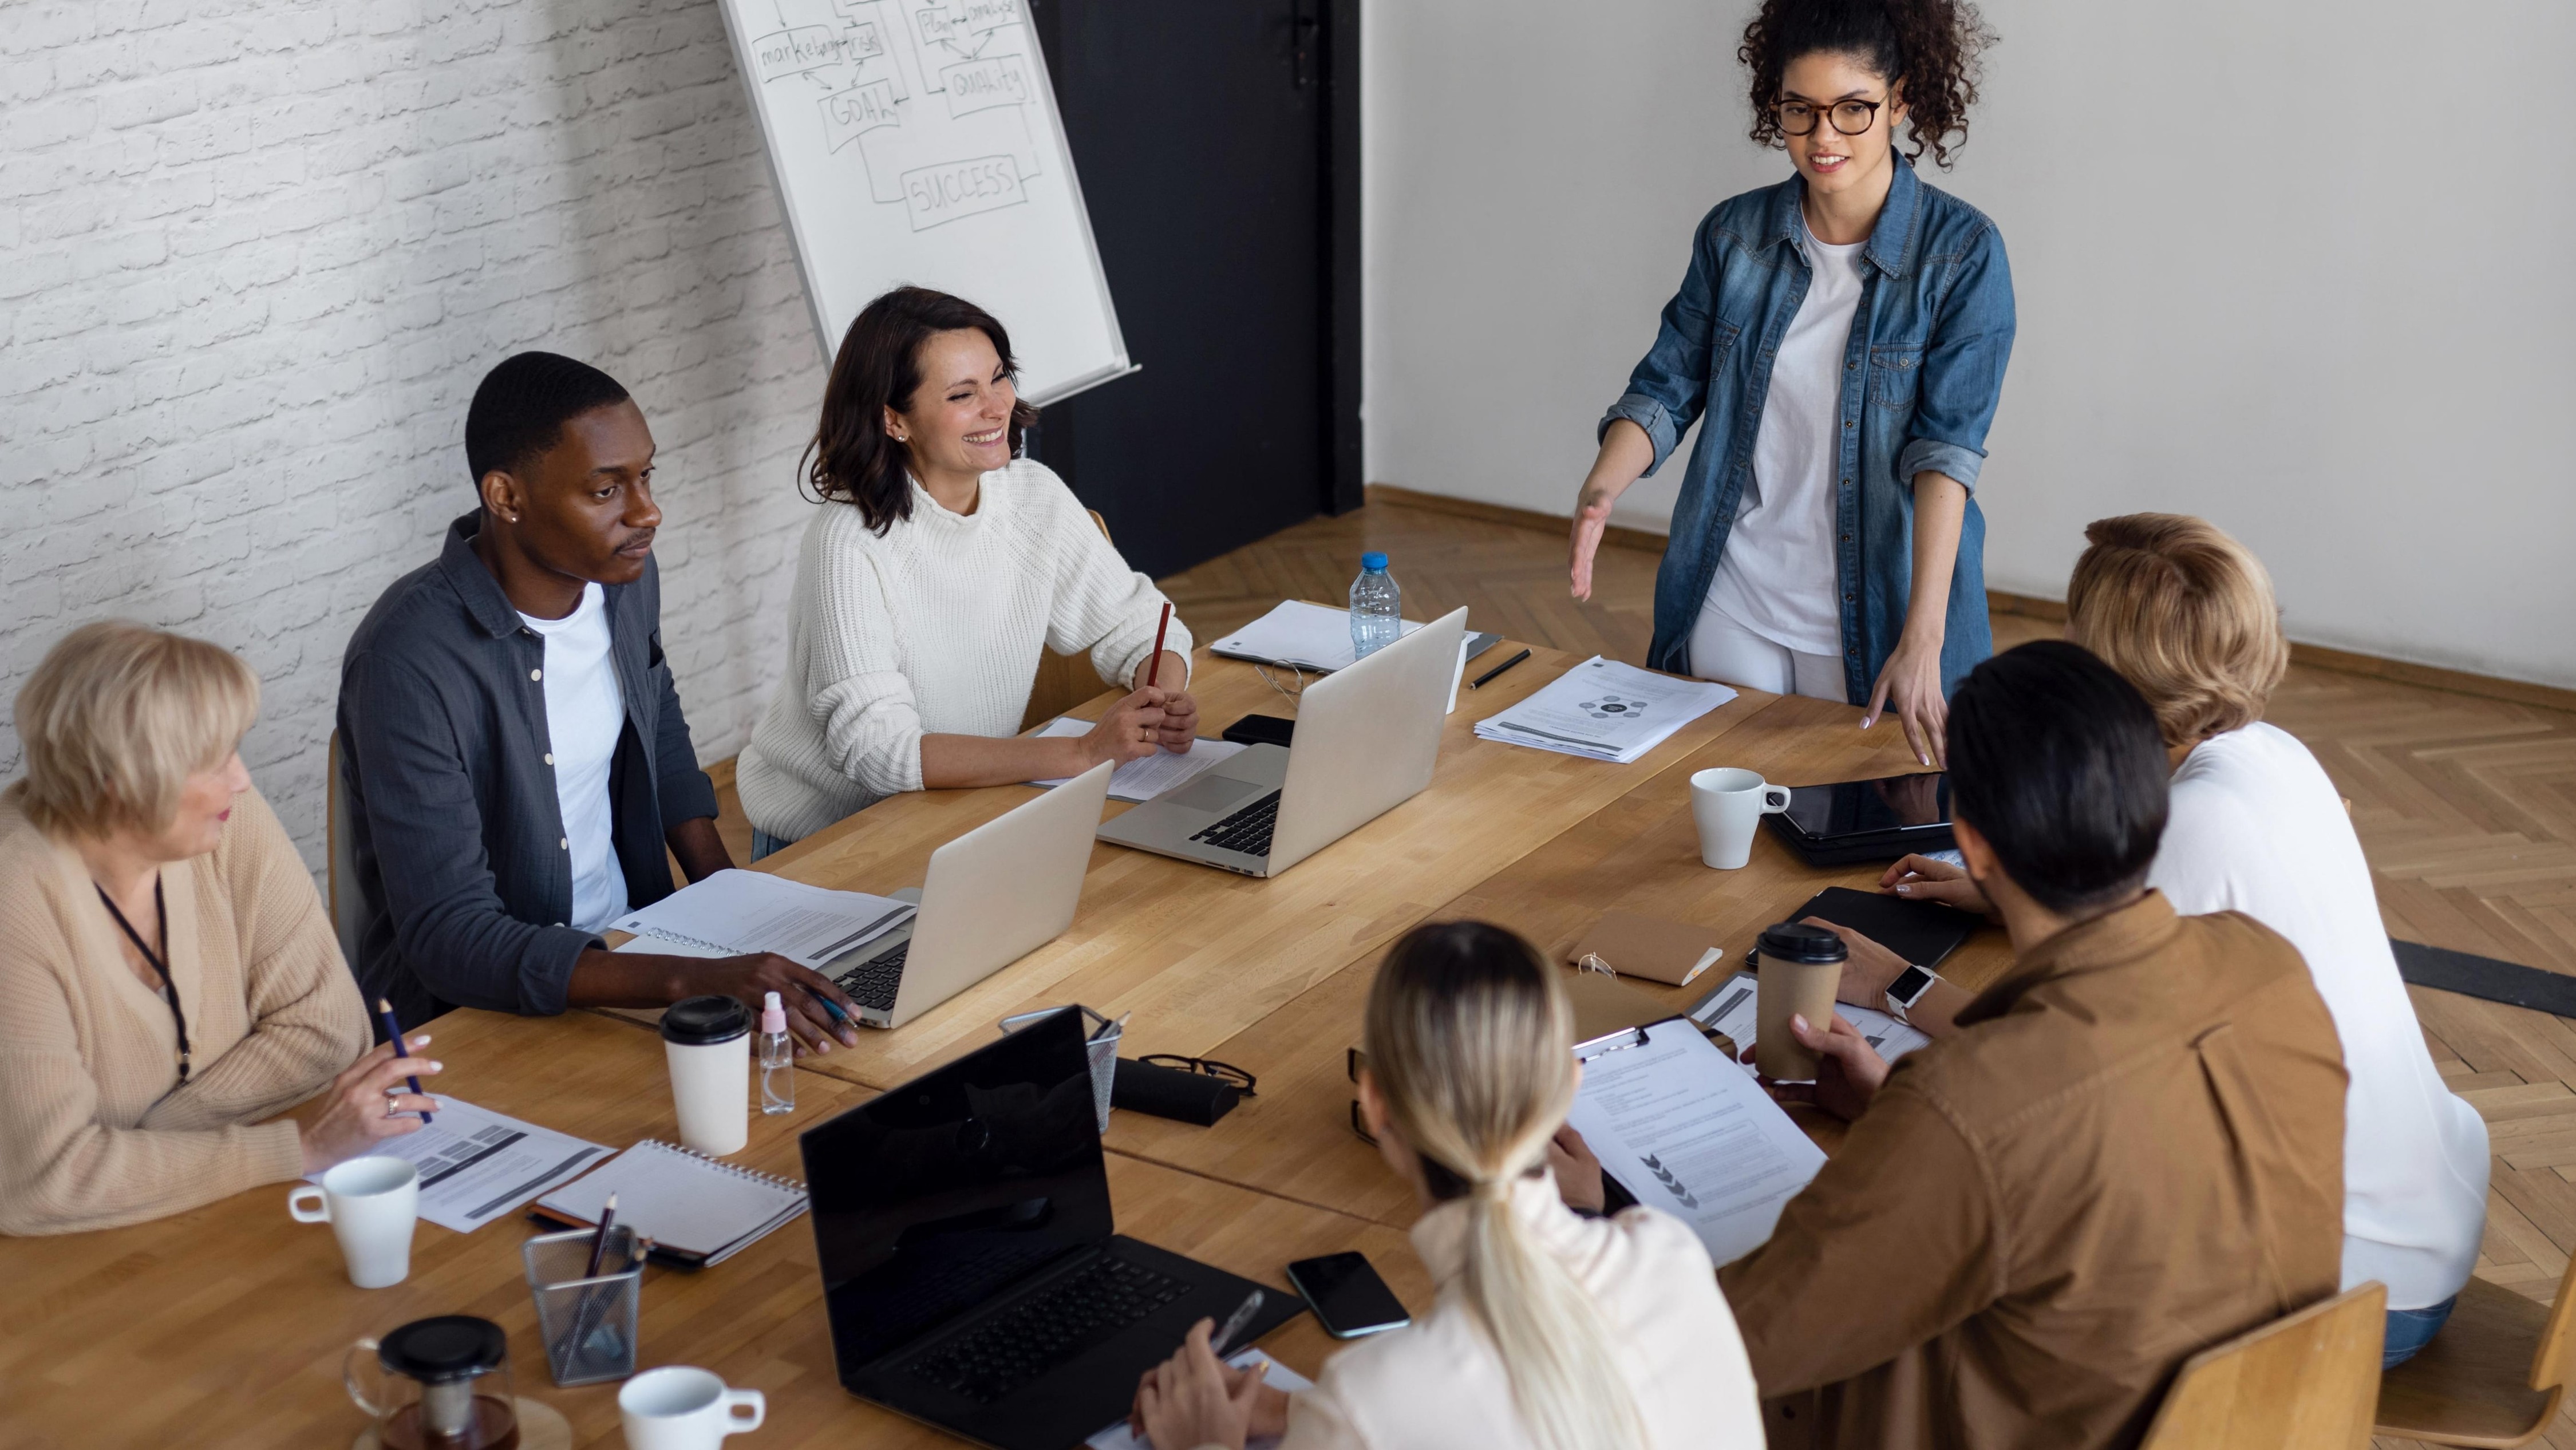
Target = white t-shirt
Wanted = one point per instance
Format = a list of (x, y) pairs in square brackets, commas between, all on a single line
[(1776, 575), (2257, 827), (585, 713)]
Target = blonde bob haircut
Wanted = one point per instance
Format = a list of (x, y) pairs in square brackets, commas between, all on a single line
[(2187, 614), (116, 718), (1470, 1041)]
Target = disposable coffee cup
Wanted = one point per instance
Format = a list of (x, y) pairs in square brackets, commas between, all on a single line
[(679, 1407), (372, 1205), (1800, 968), (707, 1042), (1727, 804)]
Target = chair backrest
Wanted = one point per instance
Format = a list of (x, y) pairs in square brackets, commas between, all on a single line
[(344, 859), (1062, 681), (2549, 1363), (2305, 1381)]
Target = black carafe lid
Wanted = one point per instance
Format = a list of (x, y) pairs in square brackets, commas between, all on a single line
[(449, 1347)]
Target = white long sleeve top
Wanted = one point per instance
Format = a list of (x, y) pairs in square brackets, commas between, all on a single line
[(934, 628)]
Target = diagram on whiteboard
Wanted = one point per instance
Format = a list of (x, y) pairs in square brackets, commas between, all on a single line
[(925, 101)]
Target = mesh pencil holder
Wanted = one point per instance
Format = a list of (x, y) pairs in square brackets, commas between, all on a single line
[(588, 1323), (1101, 1043)]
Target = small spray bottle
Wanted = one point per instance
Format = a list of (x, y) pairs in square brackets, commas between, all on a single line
[(777, 1059)]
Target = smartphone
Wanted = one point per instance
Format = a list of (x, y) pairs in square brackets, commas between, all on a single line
[(1348, 1297)]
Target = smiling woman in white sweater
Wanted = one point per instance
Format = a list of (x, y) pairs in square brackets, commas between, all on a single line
[(936, 569)]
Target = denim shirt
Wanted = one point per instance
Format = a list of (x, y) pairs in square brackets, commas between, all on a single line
[(464, 880), (1934, 329)]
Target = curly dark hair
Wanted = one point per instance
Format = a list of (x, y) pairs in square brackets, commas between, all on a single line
[(1931, 47), (852, 460)]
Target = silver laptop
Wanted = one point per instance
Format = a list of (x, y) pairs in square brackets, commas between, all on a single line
[(1367, 738), (995, 894)]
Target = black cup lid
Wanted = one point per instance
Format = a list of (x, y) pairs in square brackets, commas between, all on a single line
[(449, 1347), (698, 1021), (1792, 941)]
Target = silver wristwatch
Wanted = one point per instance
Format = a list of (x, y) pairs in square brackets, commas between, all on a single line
[(1908, 989)]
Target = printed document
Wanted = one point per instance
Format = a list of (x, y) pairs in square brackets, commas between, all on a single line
[(1690, 1134), (733, 913), (1604, 710), (1117, 1437), (476, 1166), (1729, 1010), (1142, 780), (1309, 636)]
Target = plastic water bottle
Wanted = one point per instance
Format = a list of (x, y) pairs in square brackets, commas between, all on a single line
[(1376, 617)]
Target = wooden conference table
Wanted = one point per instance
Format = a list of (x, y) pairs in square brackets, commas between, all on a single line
[(226, 1325)]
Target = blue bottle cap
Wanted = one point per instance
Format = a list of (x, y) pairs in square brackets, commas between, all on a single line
[(1372, 560)]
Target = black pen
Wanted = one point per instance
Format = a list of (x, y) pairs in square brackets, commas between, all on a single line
[(1498, 669), (393, 1029)]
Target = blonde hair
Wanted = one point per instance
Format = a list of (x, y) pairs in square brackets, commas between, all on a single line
[(1470, 1042), (116, 718), (2187, 614)]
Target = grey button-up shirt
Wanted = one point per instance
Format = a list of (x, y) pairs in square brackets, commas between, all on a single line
[(464, 881)]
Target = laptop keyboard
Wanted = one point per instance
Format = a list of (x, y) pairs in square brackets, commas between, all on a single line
[(1247, 830), (1088, 1308), (871, 983)]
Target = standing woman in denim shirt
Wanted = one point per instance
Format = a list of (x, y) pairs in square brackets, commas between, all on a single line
[(1841, 339)]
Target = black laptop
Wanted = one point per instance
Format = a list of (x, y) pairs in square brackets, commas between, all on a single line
[(971, 1265)]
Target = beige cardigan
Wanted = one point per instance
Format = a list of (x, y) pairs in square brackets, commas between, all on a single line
[(95, 1130), (1437, 1384)]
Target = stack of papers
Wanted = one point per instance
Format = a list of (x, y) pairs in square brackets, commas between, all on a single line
[(1728, 1011), (1142, 780), (1309, 636), (736, 913), (1604, 710)]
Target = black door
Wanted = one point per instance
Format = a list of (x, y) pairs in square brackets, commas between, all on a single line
[(1218, 160)]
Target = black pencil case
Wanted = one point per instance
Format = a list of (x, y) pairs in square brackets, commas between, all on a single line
[(1168, 1092)]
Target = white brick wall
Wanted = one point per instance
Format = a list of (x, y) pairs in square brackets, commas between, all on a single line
[(254, 258)]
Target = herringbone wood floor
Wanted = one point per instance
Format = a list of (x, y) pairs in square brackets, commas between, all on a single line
[(2466, 805)]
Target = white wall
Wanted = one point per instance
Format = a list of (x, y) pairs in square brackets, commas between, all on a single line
[(254, 258), (2260, 277)]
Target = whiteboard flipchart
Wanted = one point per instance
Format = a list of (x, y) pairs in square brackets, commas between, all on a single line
[(917, 141)]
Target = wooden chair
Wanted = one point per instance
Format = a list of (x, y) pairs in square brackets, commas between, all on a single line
[(2492, 1377), (2302, 1382), (1063, 681)]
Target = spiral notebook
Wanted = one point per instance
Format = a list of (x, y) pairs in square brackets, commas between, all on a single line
[(696, 1210)]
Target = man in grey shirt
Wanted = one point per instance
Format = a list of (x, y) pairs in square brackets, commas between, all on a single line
[(502, 819)]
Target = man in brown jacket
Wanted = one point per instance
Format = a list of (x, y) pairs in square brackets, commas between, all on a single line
[(2133, 1148)]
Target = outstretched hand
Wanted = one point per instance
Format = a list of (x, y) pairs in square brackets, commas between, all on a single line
[(1920, 878), (1910, 685)]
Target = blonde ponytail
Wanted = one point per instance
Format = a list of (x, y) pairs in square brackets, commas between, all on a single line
[(1470, 1039)]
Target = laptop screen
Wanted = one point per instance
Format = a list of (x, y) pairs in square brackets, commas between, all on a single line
[(941, 1193)]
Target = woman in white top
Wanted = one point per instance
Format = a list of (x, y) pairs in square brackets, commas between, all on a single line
[(936, 569), (2187, 614), (1550, 1331)]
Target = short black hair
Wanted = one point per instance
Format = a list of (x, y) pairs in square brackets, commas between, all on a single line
[(520, 408), (2057, 762)]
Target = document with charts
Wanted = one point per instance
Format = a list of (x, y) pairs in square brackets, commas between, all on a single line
[(1728, 1011), (1604, 710), (476, 1165), (1689, 1133)]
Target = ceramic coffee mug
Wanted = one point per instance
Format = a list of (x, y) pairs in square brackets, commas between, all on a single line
[(371, 1205), (1727, 804), (682, 1408)]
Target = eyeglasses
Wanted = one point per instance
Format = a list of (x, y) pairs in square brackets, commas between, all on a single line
[(1798, 118), (1224, 1072)]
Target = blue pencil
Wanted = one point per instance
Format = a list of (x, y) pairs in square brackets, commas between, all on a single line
[(393, 1029)]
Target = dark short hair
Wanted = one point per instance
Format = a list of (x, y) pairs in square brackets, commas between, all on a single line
[(521, 406), (879, 367), (2057, 762)]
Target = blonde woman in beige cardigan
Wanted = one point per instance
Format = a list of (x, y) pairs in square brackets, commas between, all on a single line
[(168, 979), (1550, 1332)]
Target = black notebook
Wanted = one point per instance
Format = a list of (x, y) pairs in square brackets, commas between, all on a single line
[(1922, 932)]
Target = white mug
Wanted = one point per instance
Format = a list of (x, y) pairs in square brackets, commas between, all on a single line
[(679, 1407), (371, 1205), (1727, 803)]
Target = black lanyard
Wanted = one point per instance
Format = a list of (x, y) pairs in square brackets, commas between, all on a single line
[(169, 988)]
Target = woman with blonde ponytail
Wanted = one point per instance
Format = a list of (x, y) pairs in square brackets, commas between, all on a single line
[(1551, 1331)]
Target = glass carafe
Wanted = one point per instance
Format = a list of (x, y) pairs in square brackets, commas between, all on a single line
[(442, 1384)]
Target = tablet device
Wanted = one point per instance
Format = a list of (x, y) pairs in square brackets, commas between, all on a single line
[(1866, 820)]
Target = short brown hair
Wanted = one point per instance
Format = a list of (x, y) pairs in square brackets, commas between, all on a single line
[(116, 718), (2187, 614)]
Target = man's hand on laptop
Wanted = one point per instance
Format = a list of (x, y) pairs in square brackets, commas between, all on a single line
[(801, 990)]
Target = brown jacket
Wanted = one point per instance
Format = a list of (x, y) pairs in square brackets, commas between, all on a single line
[(2132, 1150)]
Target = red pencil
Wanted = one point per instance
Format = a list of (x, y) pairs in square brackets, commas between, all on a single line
[(1154, 671)]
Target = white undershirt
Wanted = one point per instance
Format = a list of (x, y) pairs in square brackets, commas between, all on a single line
[(2256, 826), (585, 713), (1776, 576)]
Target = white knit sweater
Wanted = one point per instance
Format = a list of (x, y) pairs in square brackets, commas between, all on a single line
[(934, 628)]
